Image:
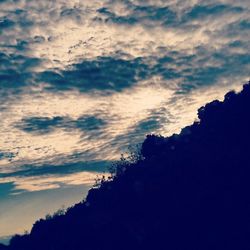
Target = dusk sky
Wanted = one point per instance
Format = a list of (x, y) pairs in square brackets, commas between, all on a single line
[(81, 81)]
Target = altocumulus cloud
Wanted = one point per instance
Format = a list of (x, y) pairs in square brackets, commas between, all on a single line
[(46, 125), (80, 81)]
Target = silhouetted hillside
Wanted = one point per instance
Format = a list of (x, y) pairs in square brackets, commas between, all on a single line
[(189, 191), (2, 247)]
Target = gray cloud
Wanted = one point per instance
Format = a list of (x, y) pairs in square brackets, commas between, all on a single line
[(201, 11), (141, 14), (108, 50), (105, 73), (62, 169), (44, 125), (170, 14), (114, 72), (5, 189)]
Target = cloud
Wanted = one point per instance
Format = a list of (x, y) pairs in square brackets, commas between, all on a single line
[(44, 125), (6, 189), (201, 11), (45, 177), (140, 14), (5, 23), (105, 73), (41, 183), (80, 81), (52, 169), (39, 124)]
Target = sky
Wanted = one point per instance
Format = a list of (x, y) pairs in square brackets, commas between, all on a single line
[(81, 81)]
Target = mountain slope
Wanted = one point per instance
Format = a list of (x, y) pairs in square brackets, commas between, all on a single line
[(187, 191)]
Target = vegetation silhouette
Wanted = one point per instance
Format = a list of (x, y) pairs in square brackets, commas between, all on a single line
[(187, 191), (2, 247)]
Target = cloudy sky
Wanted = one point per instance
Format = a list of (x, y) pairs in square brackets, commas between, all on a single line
[(80, 81)]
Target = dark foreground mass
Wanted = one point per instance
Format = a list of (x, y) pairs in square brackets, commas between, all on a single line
[(189, 191)]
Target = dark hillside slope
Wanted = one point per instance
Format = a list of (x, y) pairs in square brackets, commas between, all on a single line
[(189, 191), (2, 247)]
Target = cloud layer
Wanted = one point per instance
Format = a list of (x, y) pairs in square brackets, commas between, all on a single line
[(80, 82)]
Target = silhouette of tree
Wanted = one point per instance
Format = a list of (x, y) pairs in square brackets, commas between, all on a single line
[(186, 191)]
